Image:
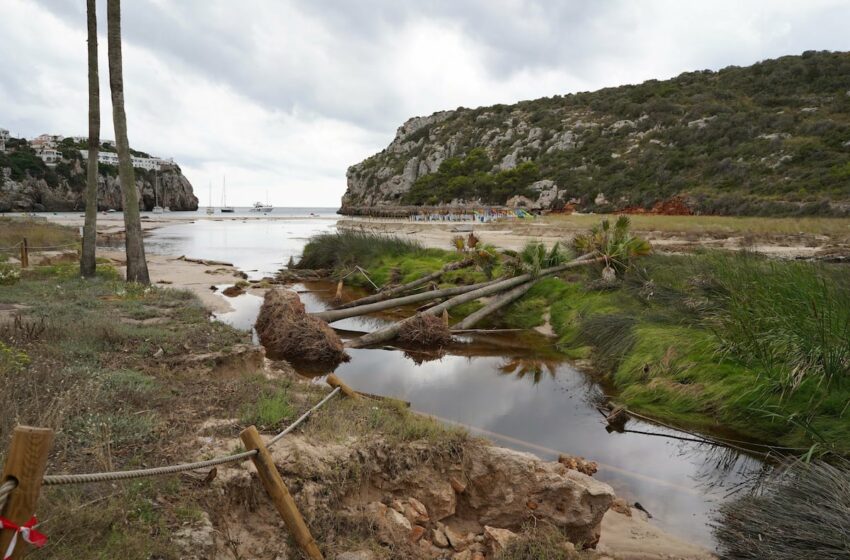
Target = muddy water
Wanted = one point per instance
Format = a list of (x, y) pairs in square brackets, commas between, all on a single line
[(515, 390)]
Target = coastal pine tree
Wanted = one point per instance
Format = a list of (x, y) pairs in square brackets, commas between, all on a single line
[(87, 258), (137, 267)]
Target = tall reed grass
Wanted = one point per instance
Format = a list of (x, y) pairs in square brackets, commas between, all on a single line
[(347, 248), (800, 513), (790, 320)]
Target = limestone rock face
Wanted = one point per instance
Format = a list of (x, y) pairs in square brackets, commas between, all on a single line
[(422, 144), (506, 488), (37, 195), (502, 488)]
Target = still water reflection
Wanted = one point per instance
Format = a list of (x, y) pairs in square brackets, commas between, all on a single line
[(517, 392)]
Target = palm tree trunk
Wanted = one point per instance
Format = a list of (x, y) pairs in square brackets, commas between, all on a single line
[(390, 331), (332, 315), (87, 259), (137, 267), (390, 292), (495, 305)]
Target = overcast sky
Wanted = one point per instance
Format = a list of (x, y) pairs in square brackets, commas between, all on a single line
[(284, 95)]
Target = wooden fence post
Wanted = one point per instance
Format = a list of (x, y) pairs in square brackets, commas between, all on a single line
[(25, 463), (279, 493), (25, 254), (335, 382)]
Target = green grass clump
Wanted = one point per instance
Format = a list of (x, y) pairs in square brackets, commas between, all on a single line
[(270, 409), (348, 248)]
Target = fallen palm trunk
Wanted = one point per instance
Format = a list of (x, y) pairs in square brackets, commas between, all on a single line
[(336, 314), (493, 306), (389, 293), (391, 331)]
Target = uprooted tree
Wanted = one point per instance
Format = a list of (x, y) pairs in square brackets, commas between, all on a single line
[(612, 247)]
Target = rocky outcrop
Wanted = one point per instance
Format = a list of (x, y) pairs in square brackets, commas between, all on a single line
[(57, 193), (499, 488), (715, 139)]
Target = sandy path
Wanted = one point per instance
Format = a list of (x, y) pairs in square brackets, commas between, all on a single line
[(177, 273)]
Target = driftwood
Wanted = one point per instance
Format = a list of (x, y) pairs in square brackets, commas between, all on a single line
[(391, 331), (205, 262), (332, 315), (390, 292), (500, 302)]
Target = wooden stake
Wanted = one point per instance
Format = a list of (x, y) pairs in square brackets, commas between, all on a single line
[(25, 254), (446, 317), (335, 382), (339, 290), (279, 493), (25, 463)]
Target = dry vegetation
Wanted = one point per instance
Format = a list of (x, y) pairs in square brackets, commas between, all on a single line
[(837, 228), (38, 232)]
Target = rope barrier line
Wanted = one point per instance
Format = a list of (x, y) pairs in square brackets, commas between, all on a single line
[(57, 479), (51, 247), (303, 417), (6, 489), (716, 440)]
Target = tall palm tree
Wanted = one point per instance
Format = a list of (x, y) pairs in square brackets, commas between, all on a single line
[(137, 267), (87, 259)]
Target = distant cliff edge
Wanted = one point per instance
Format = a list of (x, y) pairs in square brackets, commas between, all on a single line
[(768, 139), (35, 178)]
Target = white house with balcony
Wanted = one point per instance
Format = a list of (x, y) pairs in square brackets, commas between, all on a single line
[(49, 156), (148, 163), (4, 137)]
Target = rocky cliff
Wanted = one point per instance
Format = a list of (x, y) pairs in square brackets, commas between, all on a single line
[(772, 138), (27, 185)]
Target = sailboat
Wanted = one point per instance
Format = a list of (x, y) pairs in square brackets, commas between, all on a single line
[(157, 209), (210, 209), (224, 206), (260, 207)]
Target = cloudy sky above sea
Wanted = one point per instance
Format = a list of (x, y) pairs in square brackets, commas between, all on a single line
[(282, 96)]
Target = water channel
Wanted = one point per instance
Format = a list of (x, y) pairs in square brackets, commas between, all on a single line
[(515, 390)]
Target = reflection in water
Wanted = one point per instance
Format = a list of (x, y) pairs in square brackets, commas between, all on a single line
[(514, 389), (257, 247), (678, 482), (522, 367)]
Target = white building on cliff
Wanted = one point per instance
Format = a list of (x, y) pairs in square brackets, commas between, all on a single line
[(149, 163), (4, 137)]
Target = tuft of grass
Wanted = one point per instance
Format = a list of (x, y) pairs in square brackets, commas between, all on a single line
[(348, 248), (799, 513), (541, 542), (270, 409)]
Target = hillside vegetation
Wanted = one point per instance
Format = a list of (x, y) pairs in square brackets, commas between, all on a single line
[(769, 139)]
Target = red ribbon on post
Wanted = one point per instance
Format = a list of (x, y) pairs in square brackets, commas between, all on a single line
[(27, 532)]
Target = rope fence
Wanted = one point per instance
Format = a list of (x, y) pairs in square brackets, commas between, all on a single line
[(12, 479)]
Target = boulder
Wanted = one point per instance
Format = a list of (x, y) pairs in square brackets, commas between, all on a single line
[(502, 482), (390, 526), (496, 540), (438, 537)]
